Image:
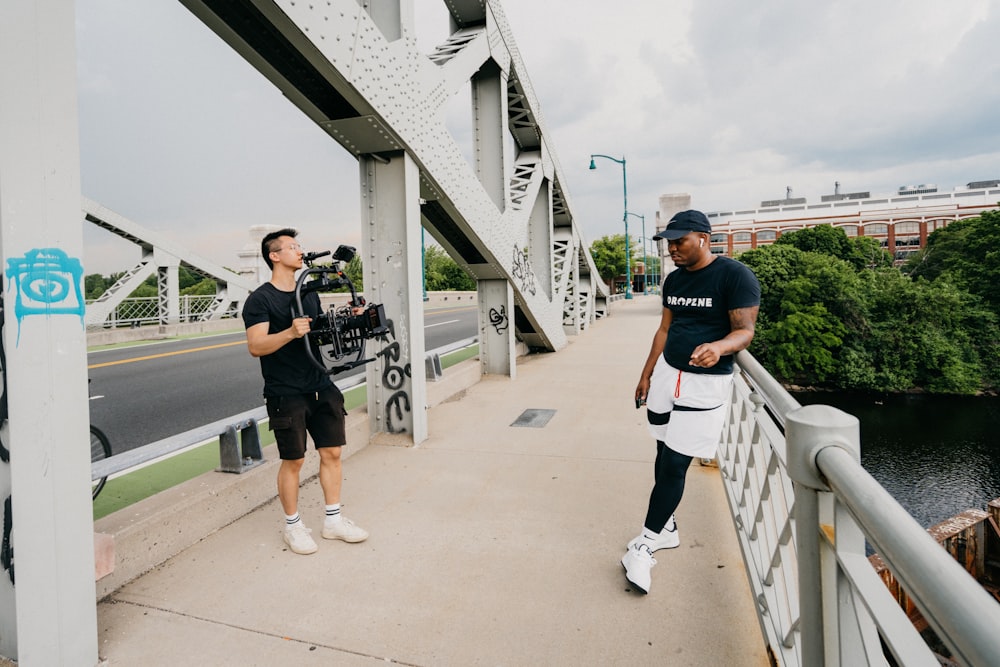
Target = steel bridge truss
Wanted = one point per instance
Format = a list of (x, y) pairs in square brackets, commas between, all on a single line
[(162, 258), (504, 215)]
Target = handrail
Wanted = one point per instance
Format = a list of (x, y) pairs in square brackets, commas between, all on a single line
[(803, 507), (962, 613), (172, 445)]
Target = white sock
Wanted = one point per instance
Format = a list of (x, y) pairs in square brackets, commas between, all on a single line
[(333, 514), (292, 520)]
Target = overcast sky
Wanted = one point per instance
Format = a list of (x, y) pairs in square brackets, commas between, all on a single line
[(729, 102)]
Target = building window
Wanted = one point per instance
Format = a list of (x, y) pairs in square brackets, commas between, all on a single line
[(877, 229), (720, 238), (850, 230), (740, 237), (907, 228), (766, 235)]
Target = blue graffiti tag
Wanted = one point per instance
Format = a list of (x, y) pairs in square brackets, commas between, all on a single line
[(44, 278)]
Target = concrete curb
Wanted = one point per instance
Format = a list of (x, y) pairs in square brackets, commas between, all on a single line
[(135, 539)]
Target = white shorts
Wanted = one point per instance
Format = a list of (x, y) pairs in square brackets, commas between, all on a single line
[(687, 410)]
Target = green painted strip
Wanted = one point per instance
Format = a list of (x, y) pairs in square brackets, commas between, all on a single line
[(132, 487)]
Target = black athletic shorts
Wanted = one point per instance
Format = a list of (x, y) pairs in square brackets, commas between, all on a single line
[(321, 414)]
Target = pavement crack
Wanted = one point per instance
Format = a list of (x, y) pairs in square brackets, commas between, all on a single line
[(241, 628)]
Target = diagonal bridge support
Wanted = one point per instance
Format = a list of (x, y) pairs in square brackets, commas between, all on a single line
[(506, 218), (162, 258), (352, 67)]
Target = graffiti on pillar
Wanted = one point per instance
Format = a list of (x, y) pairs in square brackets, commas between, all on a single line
[(498, 318), (6, 543), (46, 282), (521, 270), (394, 378)]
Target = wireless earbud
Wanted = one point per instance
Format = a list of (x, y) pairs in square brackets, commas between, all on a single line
[(701, 242)]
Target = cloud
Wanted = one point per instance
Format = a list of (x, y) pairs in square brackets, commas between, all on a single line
[(729, 104)]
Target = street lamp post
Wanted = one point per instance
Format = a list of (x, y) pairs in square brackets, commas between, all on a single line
[(628, 264), (645, 257)]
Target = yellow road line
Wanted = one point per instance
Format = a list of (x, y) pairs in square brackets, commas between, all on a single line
[(166, 354)]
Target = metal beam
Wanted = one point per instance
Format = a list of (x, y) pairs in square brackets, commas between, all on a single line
[(47, 611)]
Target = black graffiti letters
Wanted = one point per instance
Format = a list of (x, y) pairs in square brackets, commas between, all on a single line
[(498, 318), (521, 270), (394, 377)]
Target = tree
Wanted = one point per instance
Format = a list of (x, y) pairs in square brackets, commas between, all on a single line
[(823, 321), (204, 287), (609, 256), (966, 252), (861, 251), (94, 285), (355, 273), (824, 239), (442, 273)]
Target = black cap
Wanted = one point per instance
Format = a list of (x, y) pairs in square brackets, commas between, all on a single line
[(684, 223)]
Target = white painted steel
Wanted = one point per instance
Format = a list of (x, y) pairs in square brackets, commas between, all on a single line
[(48, 616), (802, 511), (388, 97), (392, 263), (160, 256)]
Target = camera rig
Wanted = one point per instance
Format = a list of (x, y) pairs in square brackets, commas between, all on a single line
[(336, 339)]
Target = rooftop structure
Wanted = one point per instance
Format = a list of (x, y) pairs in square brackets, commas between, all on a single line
[(900, 221)]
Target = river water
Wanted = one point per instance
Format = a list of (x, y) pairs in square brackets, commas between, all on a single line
[(936, 455)]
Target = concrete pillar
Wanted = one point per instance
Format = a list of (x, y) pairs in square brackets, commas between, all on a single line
[(390, 212), (497, 355), (48, 615)]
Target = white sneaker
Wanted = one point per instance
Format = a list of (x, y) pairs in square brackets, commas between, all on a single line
[(346, 530), (638, 561), (668, 538), (299, 540)]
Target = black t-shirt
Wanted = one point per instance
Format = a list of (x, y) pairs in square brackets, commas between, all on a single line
[(699, 302), (288, 370)]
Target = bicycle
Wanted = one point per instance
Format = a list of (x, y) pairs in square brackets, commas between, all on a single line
[(100, 448)]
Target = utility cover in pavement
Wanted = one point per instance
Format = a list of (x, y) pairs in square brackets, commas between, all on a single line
[(534, 418)]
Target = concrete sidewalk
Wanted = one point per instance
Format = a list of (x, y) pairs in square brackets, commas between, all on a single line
[(491, 544)]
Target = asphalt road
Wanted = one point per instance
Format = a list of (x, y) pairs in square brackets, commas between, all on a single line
[(145, 393)]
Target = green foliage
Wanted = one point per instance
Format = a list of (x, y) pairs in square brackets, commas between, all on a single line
[(861, 252), (609, 255), (442, 273), (835, 313), (355, 274), (966, 252), (204, 287), (823, 239), (94, 285)]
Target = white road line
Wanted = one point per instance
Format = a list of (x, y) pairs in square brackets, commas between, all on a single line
[(428, 326)]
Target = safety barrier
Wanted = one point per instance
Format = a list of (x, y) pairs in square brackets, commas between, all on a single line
[(803, 506), (239, 440)]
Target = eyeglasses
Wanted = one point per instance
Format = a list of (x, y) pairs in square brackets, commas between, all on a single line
[(295, 247)]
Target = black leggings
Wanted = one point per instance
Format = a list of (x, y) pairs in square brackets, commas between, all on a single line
[(668, 487)]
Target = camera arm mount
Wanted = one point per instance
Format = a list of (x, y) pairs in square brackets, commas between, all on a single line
[(328, 348)]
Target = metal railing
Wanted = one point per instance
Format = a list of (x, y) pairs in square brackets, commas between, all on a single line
[(175, 444), (145, 310), (803, 507)]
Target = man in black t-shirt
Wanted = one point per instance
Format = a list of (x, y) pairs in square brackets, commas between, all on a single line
[(709, 311), (300, 398)]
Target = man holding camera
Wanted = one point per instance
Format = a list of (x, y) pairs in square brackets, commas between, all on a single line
[(710, 308), (299, 397)]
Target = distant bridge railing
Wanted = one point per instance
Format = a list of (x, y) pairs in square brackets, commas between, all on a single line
[(803, 506), (145, 310)]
